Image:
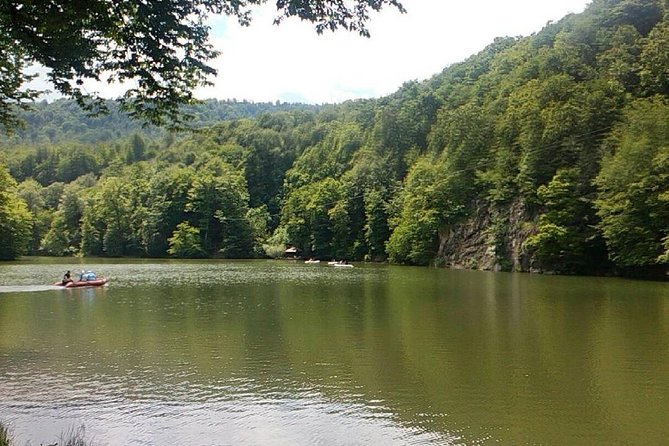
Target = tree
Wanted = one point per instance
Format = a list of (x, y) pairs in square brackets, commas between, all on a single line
[(218, 204), (64, 235), (259, 219), (107, 220), (15, 219), (166, 207), (633, 200), (654, 61), (429, 202), (33, 194), (136, 149), (161, 45), (566, 240), (315, 219), (185, 242), (376, 224), (75, 163)]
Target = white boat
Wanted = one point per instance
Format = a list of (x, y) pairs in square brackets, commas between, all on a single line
[(342, 265), (312, 261)]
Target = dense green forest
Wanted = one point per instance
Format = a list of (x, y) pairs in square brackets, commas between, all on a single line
[(542, 153)]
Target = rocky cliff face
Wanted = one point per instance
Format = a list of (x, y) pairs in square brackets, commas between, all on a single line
[(491, 239)]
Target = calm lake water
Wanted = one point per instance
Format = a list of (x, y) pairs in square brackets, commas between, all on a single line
[(283, 353)]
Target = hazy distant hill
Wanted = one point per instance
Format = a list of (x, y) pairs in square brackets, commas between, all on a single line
[(63, 121)]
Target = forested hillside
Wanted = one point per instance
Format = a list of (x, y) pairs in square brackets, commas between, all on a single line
[(542, 153)]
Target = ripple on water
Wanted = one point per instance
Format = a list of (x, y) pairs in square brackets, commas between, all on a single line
[(239, 411)]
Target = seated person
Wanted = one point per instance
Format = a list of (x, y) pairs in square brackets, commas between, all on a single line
[(67, 278)]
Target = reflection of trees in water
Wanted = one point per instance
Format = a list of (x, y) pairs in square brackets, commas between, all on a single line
[(482, 355)]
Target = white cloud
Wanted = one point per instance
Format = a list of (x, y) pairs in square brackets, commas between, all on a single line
[(265, 62)]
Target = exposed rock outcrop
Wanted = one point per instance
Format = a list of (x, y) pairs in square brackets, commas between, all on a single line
[(491, 238)]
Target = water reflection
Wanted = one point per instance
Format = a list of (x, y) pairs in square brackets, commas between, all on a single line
[(270, 352)]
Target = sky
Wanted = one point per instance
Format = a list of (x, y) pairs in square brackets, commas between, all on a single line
[(292, 63)]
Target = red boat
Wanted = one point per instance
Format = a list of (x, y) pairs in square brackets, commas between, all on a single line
[(82, 283)]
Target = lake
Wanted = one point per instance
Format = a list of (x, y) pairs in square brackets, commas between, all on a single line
[(287, 353)]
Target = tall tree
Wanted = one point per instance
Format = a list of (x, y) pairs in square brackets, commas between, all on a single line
[(431, 201), (64, 235), (218, 204), (15, 219), (633, 186), (567, 240), (34, 194)]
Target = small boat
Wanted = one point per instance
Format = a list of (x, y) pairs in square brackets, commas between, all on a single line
[(312, 261), (83, 283), (342, 265)]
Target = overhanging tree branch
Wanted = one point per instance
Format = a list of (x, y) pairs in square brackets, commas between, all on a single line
[(160, 45)]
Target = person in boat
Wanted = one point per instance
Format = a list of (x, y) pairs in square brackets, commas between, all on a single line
[(67, 277), (86, 276)]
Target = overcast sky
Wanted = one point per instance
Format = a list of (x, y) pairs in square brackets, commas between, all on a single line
[(292, 63)]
